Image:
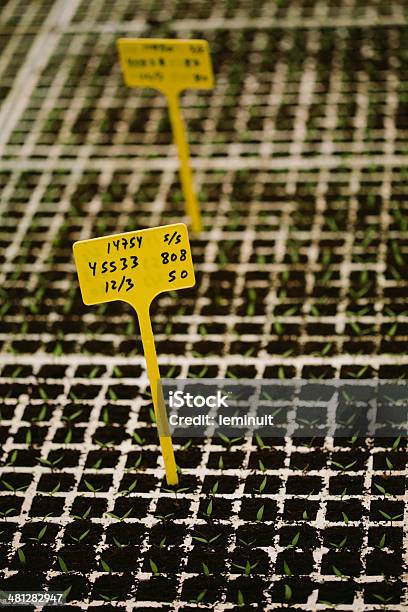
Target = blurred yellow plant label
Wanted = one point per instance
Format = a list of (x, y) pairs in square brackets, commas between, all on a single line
[(166, 64), (171, 66), (135, 267)]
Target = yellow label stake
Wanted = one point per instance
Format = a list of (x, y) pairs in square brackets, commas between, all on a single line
[(170, 66), (135, 267)]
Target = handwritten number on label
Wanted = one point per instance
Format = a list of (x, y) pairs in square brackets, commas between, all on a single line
[(125, 243), (174, 237), (113, 285), (172, 275), (166, 257)]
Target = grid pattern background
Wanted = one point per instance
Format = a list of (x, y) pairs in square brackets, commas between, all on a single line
[(299, 157)]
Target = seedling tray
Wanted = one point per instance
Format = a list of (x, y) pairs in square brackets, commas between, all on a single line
[(299, 162)]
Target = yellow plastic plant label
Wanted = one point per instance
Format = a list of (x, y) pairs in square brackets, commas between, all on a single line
[(166, 64), (170, 66), (135, 267)]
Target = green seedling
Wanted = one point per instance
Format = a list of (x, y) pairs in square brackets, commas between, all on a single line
[(287, 569), (152, 415), (107, 598), (104, 444), (228, 441), (112, 394), (247, 568), (68, 437), (245, 543), (393, 330), (120, 518), (8, 512), (381, 490), (260, 514), (14, 489), (55, 489), (207, 541), (176, 491), (344, 468), (278, 328), (63, 565), (340, 545), (390, 518), (260, 442), (206, 570), (346, 519), (396, 443), (381, 542), (303, 469), (82, 537), (40, 534), (19, 369), (154, 568), (97, 464), (358, 313), (91, 488), (187, 445), (105, 416), (389, 464), (67, 591), (95, 371), (201, 374), (84, 516), (137, 438), (383, 600), (209, 509), (294, 541), (261, 466), (48, 463), (162, 543), (338, 573), (129, 490), (58, 350), (119, 545), (240, 599), (288, 593), (41, 415), (220, 463), (348, 422), (105, 566), (165, 517), (21, 556), (200, 597), (262, 485), (168, 330), (43, 394), (136, 464)]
